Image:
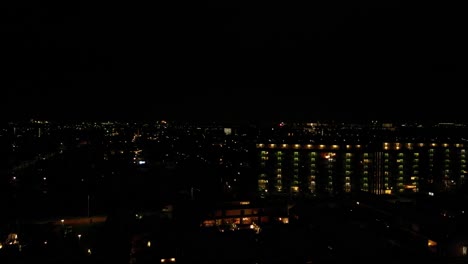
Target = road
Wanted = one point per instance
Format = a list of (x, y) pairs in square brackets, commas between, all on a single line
[(73, 221)]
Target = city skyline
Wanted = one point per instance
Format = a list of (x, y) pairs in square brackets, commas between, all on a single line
[(79, 190), (234, 133)]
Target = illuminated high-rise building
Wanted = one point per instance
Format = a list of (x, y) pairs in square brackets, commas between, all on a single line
[(379, 168)]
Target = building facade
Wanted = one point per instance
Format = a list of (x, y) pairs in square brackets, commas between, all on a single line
[(379, 168), (241, 214)]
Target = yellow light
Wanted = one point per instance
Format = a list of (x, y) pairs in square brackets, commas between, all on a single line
[(431, 243), (335, 146), (272, 145), (309, 145), (296, 145), (348, 146), (322, 146), (172, 259), (445, 145), (285, 145), (148, 244)]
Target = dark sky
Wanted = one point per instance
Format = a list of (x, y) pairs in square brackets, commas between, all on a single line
[(323, 61)]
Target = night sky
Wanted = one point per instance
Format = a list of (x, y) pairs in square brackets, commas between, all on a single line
[(324, 61)]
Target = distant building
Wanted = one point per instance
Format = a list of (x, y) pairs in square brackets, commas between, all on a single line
[(379, 168), (245, 213)]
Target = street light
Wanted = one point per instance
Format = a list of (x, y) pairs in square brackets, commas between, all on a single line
[(63, 227), (79, 237), (192, 189)]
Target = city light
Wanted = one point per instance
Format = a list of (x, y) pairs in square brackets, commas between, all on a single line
[(284, 183)]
